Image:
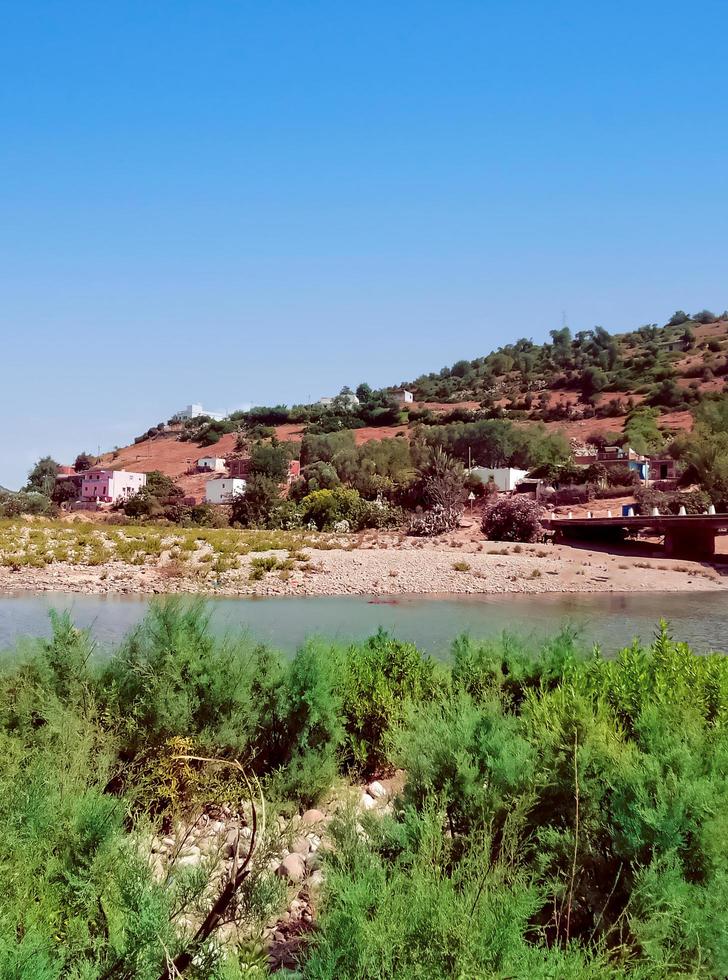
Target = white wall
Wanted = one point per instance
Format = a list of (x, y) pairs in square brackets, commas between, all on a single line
[(504, 477), (223, 491), (215, 463)]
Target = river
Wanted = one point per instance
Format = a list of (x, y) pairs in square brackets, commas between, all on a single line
[(611, 620)]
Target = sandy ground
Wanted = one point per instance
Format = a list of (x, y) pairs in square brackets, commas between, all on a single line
[(380, 564)]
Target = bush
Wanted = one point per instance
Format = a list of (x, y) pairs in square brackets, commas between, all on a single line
[(16, 504), (326, 508), (171, 678), (433, 522), (255, 507), (513, 518), (381, 677), (704, 316), (694, 502)]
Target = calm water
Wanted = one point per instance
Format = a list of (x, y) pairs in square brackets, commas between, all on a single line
[(432, 623)]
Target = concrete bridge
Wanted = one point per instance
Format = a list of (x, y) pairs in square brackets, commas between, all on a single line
[(685, 536)]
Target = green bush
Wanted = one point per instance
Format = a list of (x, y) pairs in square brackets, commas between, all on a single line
[(380, 678), (326, 508), (562, 815)]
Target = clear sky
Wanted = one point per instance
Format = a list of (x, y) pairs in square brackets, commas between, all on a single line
[(230, 201)]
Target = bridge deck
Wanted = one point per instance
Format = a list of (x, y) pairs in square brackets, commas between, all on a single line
[(689, 535), (715, 522)]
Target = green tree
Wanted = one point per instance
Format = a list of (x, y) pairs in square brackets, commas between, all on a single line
[(677, 319), (42, 478), (270, 459), (83, 462), (364, 392), (254, 507), (641, 431)]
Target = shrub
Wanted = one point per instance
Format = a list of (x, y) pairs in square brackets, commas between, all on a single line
[(254, 507), (325, 508), (380, 678), (171, 678), (704, 316), (694, 502), (513, 518), (16, 504), (433, 522)]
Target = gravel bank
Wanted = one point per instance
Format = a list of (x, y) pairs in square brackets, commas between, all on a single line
[(387, 565)]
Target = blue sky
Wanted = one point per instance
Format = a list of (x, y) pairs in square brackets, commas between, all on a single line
[(228, 201)]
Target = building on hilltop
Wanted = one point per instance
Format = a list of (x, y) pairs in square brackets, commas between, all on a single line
[(110, 486), (195, 411), (223, 490), (346, 399), (403, 396)]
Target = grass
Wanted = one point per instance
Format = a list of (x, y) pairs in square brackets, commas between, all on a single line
[(36, 544), (460, 566)]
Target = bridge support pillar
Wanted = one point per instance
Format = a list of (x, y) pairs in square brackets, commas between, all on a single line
[(690, 542)]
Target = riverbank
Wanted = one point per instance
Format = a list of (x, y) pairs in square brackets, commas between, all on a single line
[(371, 563)]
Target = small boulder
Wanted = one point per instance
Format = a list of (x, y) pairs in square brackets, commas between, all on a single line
[(301, 846), (313, 817), (292, 868), (367, 802), (377, 790)]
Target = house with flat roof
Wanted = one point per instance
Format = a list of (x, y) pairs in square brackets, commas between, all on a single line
[(223, 490), (194, 411), (110, 486), (403, 396)]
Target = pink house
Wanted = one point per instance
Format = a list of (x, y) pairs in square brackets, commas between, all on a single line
[(110, 486)]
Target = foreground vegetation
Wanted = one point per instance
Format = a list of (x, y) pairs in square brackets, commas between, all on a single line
[(563, 815)]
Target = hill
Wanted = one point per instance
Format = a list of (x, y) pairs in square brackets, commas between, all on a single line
[(589, 386)]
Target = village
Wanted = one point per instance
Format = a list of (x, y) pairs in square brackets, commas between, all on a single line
[(100, 488)]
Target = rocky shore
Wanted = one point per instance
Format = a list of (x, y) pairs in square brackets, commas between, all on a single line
[(292, 849), (460, 563)]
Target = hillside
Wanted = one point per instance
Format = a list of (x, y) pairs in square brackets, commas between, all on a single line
[(584, 386), (591, 370)]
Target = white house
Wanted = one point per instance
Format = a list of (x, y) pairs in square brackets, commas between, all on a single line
[(504, 477), (403, 396), (224, 489), (211, 464), (348, 400), (111, 486), (195, 411)]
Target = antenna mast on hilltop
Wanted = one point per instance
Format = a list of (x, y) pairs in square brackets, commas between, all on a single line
[(563, 318)]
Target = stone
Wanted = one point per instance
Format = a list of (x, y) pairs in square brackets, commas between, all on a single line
[(377, 790), (313, 817), (317, 879), (189, 860), (301, 846), (367, 802), (292, 868)]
